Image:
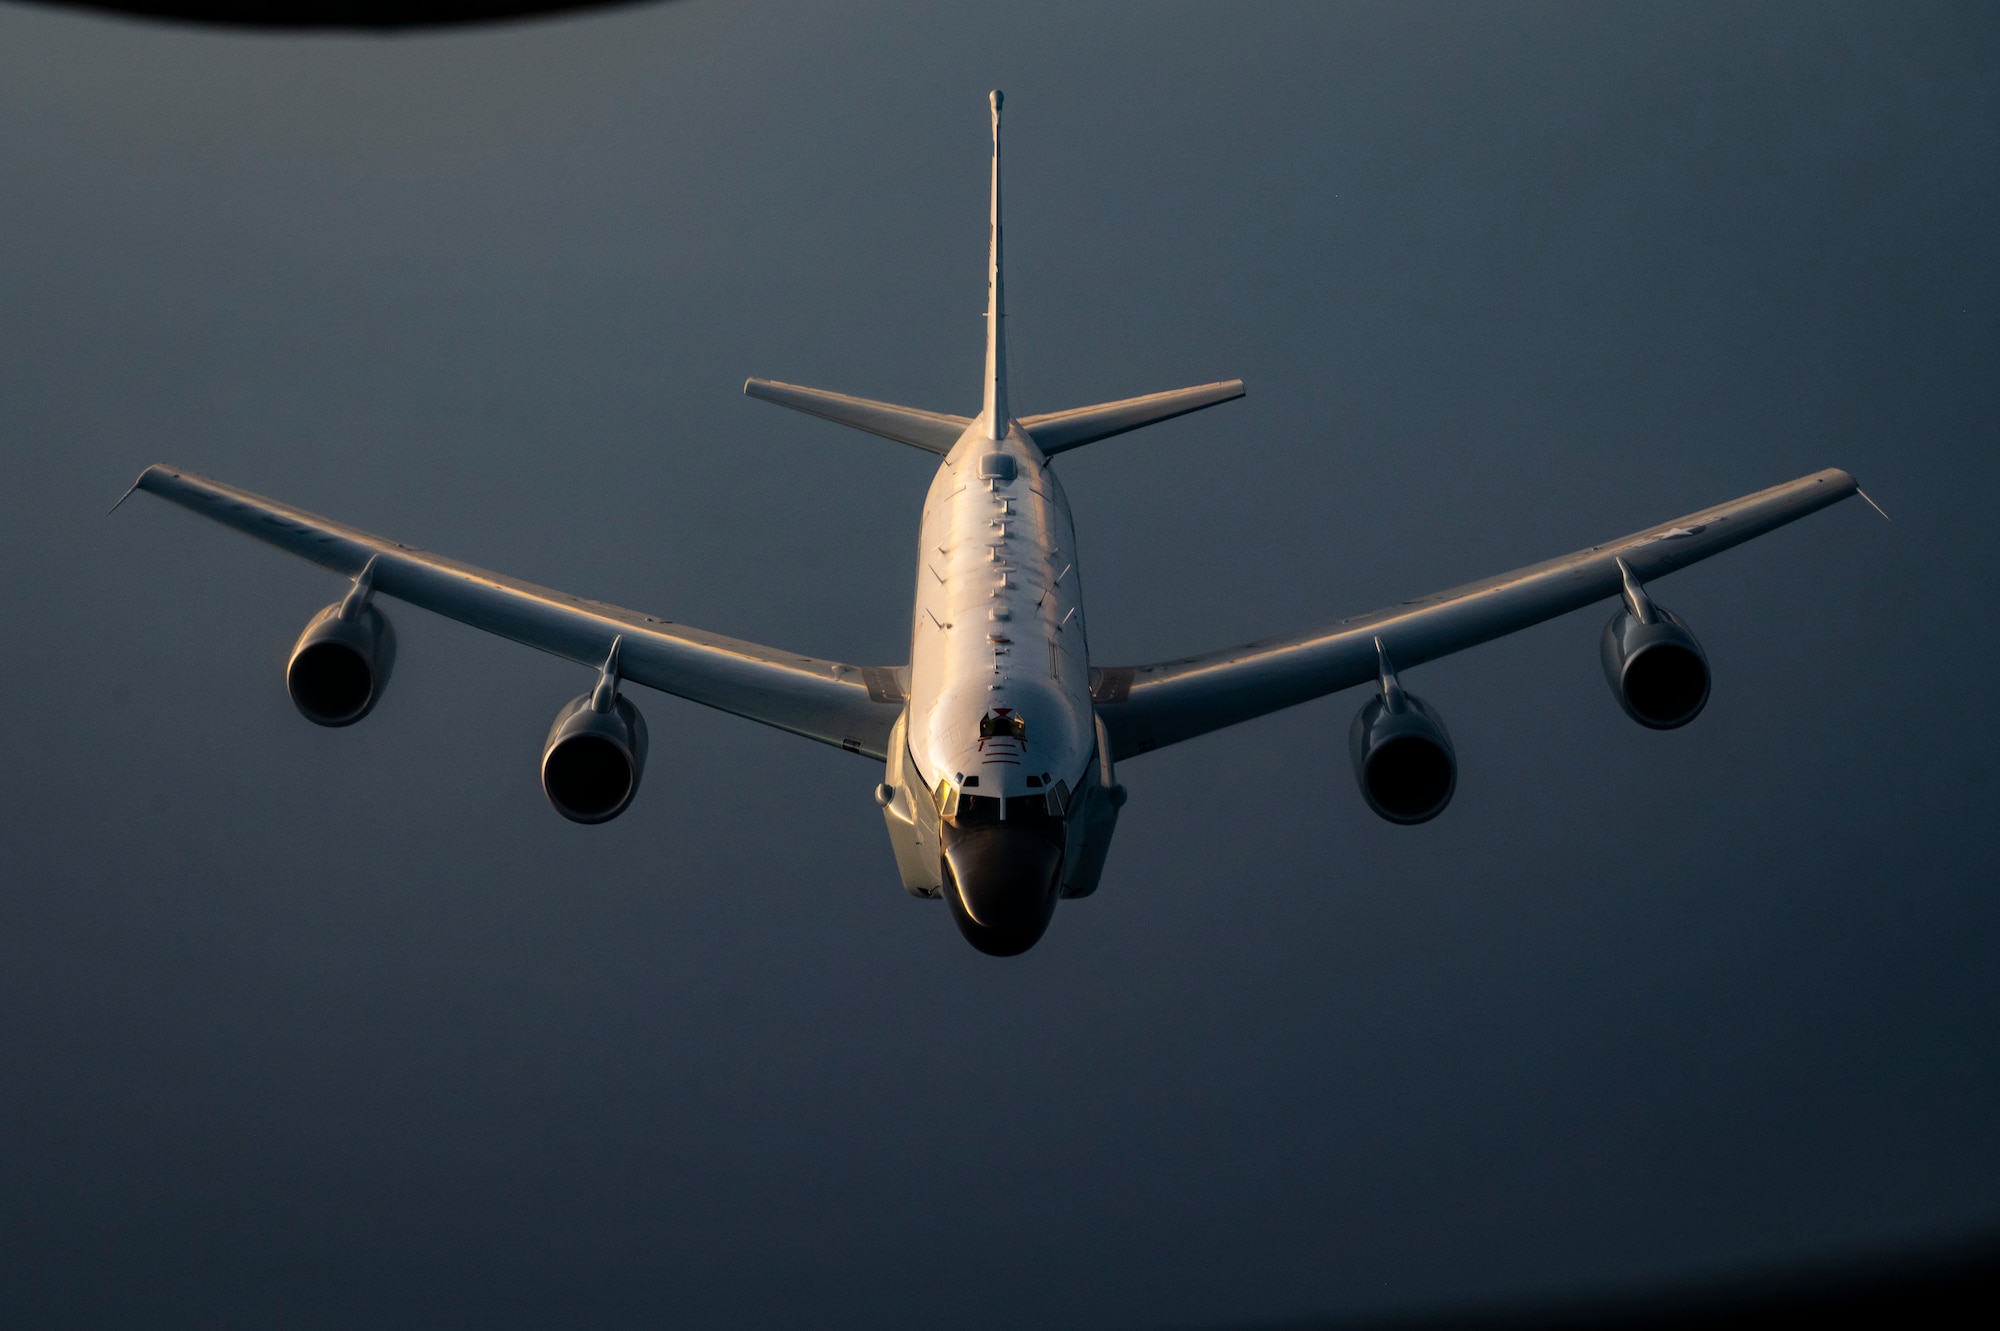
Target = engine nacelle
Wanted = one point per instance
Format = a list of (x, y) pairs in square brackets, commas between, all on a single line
[(1656, 669), (595, 754), (340, 664), (1403, 759)]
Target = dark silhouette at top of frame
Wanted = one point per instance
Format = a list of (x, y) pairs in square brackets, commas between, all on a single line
[(294, 15)]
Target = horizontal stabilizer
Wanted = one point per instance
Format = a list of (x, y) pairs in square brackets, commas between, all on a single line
[(932, 431), (1060, 431)]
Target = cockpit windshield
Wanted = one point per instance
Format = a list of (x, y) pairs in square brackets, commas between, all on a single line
[(980, 810)]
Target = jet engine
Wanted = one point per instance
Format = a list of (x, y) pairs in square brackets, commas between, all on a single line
[(1403, 759), (1656, 669), (340, 664), (596, 752)]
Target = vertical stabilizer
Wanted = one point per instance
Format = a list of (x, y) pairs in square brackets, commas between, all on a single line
[(994, 412)]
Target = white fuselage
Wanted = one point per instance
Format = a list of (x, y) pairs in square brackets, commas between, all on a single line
[(999, 631)]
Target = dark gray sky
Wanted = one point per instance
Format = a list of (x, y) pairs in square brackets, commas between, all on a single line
[(348, 1028)]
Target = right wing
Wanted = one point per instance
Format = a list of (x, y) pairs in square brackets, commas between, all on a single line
[(1144, 707), (850, 707)]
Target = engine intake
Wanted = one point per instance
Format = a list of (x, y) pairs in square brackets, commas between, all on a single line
[(340, 664), (596, 752), (1655, 668), (1403, 759)]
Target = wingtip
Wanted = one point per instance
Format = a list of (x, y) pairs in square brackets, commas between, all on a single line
[(1851, 485), (136, 483)]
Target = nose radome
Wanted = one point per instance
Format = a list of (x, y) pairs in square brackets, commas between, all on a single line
[(1003, 886)]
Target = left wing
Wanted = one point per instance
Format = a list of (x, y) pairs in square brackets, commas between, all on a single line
[(850, 707), (1144, 707)]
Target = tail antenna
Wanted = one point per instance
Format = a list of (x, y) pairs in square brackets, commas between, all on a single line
[(995, 408)]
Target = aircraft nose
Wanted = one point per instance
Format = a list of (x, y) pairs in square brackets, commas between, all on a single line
[(1003, 885)]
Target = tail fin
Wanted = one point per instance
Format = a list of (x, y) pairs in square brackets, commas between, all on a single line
[(1059, 431), (936, 432), (994, 412)]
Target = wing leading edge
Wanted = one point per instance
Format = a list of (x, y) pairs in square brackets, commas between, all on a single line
[(1146, 707), (850, 707)]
